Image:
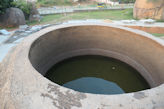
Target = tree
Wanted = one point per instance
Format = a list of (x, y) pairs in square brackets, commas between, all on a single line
[(5, 4)]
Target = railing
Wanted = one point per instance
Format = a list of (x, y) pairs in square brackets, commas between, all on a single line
[(60, 10)]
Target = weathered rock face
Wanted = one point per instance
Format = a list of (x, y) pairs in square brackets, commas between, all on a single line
[(149, 9), (13, 17)]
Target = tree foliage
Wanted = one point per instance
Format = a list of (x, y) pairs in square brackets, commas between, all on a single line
[(24, 6), (5, 4)]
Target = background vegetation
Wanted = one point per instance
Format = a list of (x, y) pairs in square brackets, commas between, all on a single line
[(108, 14), (5, 4), (24, 6), (21, 4), (45, 3)]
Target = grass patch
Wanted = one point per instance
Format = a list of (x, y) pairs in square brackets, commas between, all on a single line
[(157, 34), (107, 14), (159, 20)]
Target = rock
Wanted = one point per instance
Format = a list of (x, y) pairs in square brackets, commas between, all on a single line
[(13, 17), (34, 14), (46, 25), (24, 34), (147, 21), (28, 31), (23, 27), (36, 28), (128, 21), (149, 9), (4, 32), (15, 36)]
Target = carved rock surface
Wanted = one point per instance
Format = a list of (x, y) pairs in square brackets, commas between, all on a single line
[(149, 9)]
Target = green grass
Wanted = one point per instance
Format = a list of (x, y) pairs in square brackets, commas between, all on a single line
[(159, 20), (113, 15), (157, 34), (108, 14)]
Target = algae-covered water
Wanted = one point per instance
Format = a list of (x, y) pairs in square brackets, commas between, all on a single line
[(97, 74)]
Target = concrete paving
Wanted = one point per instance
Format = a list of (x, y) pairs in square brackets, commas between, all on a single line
[(9, 41), (4, 49)]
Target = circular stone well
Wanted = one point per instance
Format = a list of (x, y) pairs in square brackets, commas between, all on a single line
[(22, 81)]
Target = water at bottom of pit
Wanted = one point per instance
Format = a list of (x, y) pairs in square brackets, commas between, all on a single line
[(97, 75)]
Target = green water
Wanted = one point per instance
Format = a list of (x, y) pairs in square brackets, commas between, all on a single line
[(100, 70)]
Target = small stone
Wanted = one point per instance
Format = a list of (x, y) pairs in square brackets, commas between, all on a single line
[(36, 28), (128, 21), (46, 25), (28, 31), (15, 36), (147, 21), (4, 32), (24, 34), (20, 30), (23, 27)]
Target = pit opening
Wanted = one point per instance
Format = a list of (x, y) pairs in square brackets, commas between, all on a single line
[(97, 74), (127, 47)]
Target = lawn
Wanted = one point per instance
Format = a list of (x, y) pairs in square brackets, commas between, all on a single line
[(157, 34), (107, 14)]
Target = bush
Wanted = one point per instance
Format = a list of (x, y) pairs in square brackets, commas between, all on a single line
[(5, 4), (24, 6)]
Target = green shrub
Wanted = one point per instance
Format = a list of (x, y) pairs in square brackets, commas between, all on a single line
[(24, 6), (5, 4)]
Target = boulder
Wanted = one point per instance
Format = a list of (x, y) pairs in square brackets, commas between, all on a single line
[(149, 9), (13, 17)]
